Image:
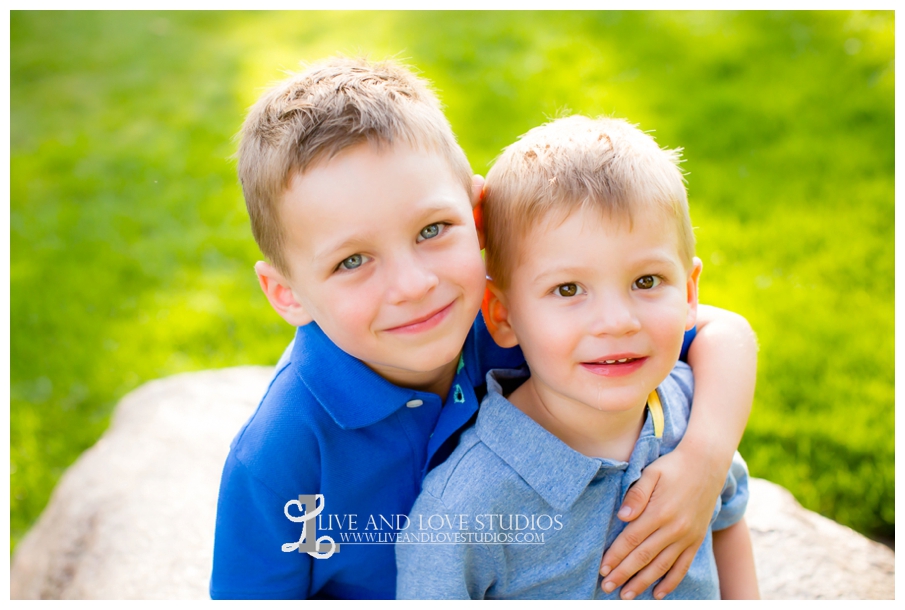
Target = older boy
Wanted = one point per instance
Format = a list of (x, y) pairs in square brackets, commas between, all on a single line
[(362, 201), (591, 251)]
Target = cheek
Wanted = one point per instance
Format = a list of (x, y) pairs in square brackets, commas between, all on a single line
[(546, 333), (353, 311), (668, 324), (467, 269)]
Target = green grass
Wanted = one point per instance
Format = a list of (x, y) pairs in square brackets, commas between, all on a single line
[(131, 257)]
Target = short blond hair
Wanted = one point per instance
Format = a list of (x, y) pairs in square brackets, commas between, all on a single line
[(317, 113), (607, 164)]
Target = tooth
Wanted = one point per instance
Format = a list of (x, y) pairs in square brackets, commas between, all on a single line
[(623, 360), (610, 361)]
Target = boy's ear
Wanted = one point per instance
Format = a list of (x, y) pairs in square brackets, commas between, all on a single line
[(279, 293), (496, 317), (477, 198), (692, 290)]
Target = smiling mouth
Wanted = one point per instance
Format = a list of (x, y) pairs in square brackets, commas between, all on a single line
[(424, 323), (615, 367)]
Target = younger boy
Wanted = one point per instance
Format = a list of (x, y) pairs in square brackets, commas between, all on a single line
[(362, 201), (591, 254)]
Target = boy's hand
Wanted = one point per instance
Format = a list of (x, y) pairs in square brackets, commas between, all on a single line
[(670, 506)]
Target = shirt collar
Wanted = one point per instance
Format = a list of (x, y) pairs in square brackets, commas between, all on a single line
[(353, 395), (562, 474)]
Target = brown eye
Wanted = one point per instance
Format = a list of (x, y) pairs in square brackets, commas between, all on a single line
[(646, 282), (567, 290)]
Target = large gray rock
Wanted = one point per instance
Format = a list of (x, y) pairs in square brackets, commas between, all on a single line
[(802, 555), (133, 518)]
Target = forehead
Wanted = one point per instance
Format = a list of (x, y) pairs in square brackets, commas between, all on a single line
[(364, 191), (585, 231)]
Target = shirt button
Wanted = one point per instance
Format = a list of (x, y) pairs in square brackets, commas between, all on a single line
[(412, 404)]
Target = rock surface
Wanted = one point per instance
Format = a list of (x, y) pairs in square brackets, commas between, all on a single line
[(133, 518)]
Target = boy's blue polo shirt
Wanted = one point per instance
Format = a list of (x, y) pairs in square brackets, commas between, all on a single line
[(330, 425)]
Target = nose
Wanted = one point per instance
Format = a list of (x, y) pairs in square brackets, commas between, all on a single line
[(410, 279), (615, 315)]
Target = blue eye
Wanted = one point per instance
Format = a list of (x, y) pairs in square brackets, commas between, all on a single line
[(647, 282), (430, 231), (353, 262)]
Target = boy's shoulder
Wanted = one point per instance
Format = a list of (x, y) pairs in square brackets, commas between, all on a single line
[(281, 434), (317, 392)]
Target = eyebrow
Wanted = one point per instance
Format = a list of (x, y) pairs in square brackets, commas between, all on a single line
[(565, 271), (331, 250), (435, 207), (655, 259)]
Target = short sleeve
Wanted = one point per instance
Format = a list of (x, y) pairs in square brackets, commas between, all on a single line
[(439, 563), (251, 529), (734, 497)]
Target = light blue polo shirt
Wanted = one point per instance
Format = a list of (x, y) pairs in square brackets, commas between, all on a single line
[(515, 513)]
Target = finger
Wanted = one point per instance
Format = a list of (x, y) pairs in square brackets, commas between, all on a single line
[(636, 560), (649, 574), (676, 573), (626, 544), (638, 496)]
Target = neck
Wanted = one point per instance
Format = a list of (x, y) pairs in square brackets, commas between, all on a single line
[(602, 434), (437, 381)]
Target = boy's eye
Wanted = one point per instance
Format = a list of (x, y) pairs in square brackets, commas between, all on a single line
[(353, 262), (430, 231), (568, 290), (646, 282)]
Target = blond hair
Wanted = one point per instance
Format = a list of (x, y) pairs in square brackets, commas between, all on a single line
[(607, 164), (315, 114)]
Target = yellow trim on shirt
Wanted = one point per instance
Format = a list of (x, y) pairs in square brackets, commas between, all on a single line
[(656, 413)]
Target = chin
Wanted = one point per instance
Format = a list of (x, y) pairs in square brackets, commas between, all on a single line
[(619, 405), (436, 360)]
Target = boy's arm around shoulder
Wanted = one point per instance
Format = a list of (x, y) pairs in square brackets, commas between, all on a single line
[(671, 505), (723, 357)]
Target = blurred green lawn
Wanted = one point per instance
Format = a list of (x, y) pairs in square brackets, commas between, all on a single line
[(131, 256)]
